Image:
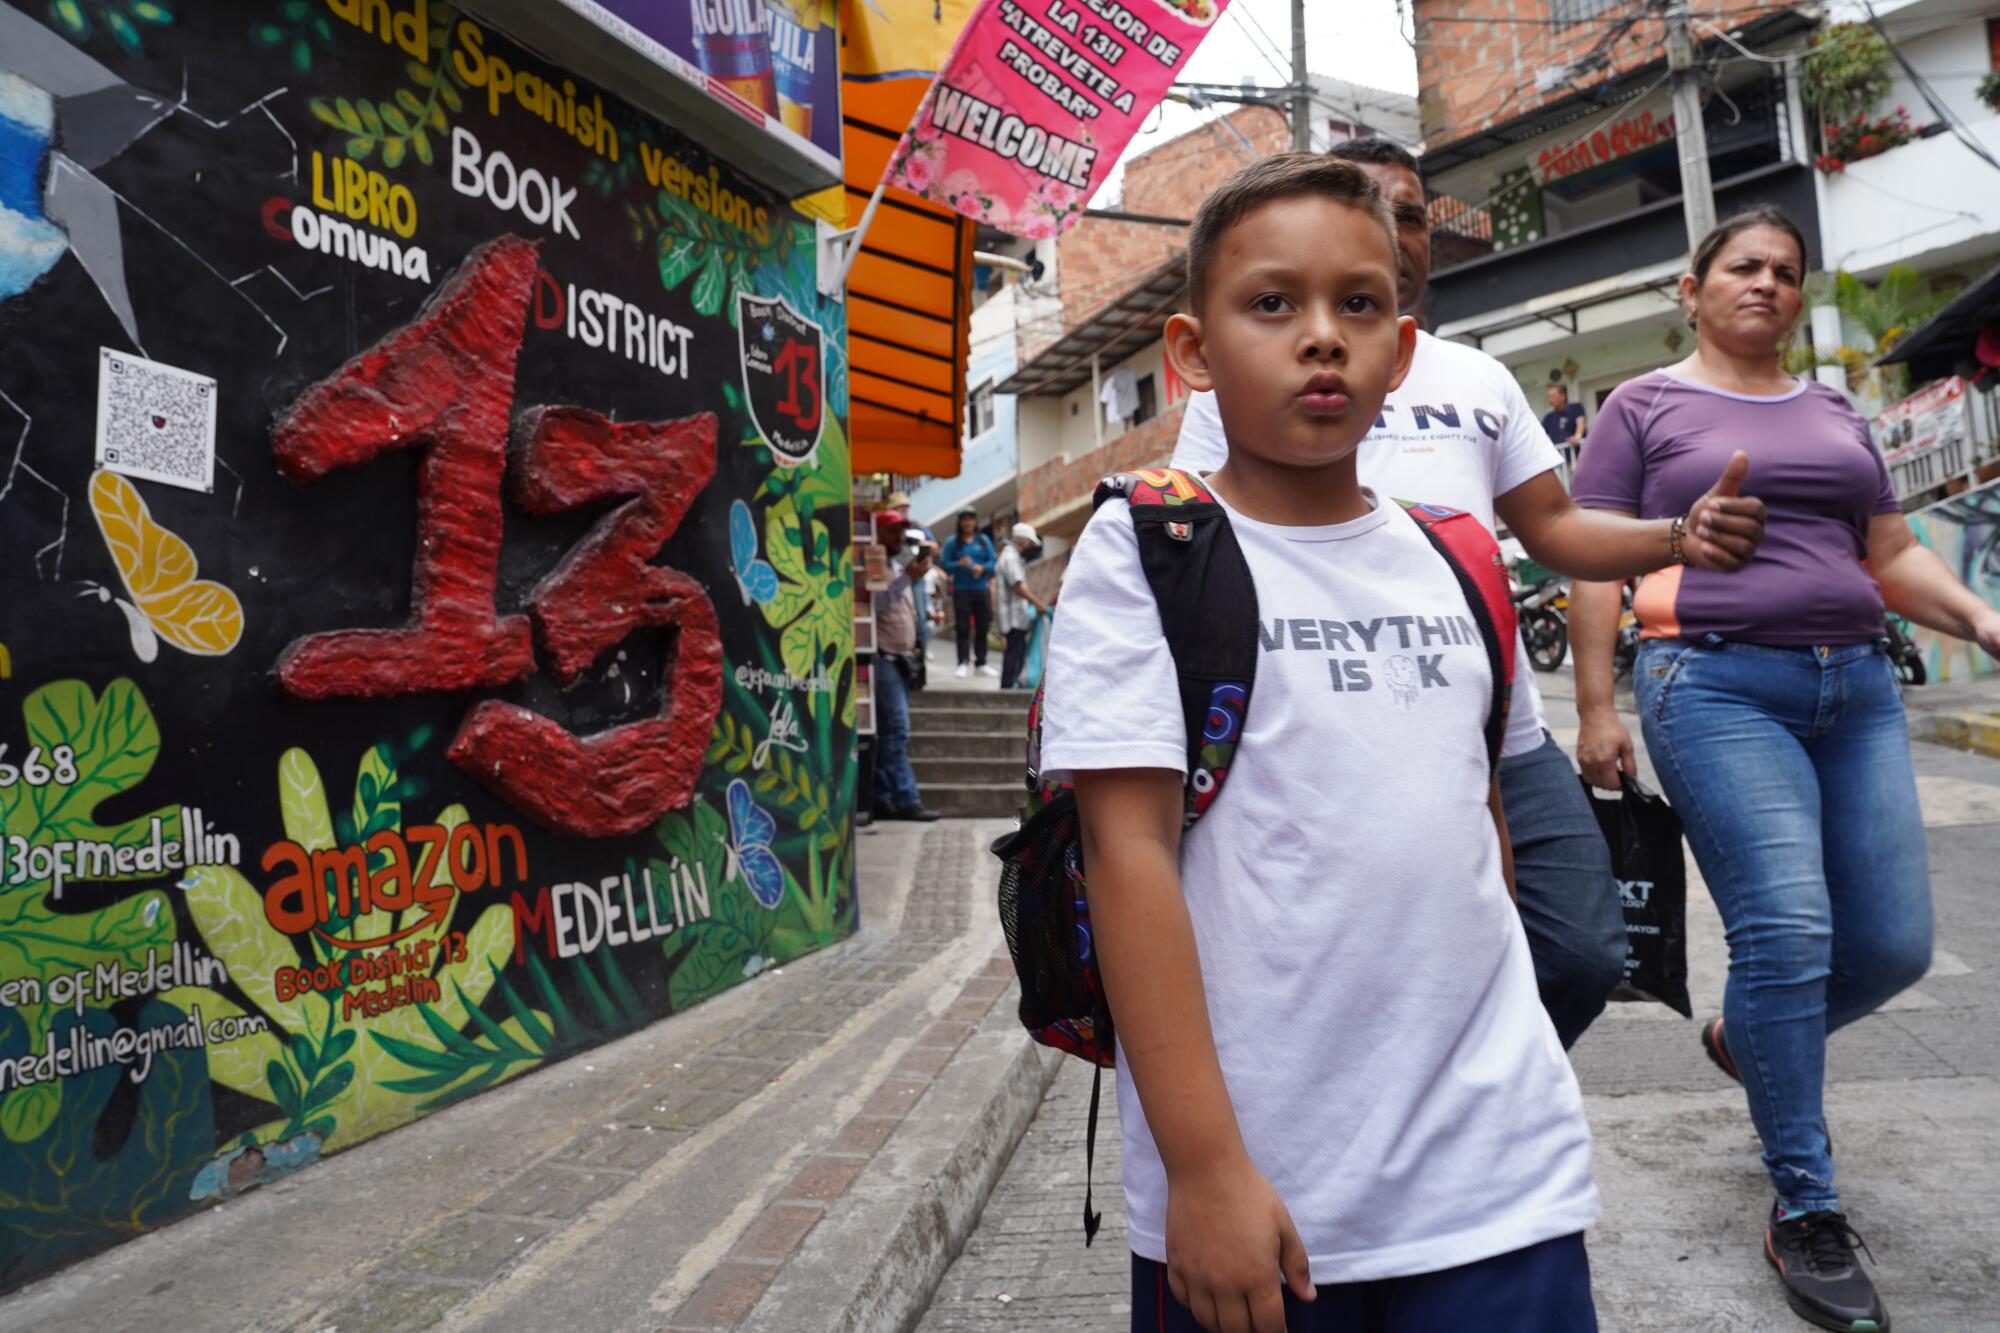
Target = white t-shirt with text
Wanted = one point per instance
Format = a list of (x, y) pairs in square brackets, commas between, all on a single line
[(1368, 982), (1457, 432)]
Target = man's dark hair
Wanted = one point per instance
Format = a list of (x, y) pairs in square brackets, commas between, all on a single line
[(1562, 389), (1282, 176), (1376, 151)]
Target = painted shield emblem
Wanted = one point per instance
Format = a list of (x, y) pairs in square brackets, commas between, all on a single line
[(783, 371)]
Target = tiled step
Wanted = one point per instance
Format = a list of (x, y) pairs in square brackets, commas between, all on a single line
[(973, 701), (975, 800), (932, 771), (947, 742)]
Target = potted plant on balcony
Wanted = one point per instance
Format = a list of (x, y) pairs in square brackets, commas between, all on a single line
[(1861, 137), (1846, 75), (1989, 90), (1846, 71)]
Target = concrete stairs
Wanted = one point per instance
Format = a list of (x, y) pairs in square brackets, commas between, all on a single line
[(969, 750)]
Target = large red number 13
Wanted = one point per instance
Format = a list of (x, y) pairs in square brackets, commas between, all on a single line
[(800, 362), (446, 383)]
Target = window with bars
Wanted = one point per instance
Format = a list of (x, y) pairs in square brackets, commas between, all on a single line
[(1564, 12), (979, 411)]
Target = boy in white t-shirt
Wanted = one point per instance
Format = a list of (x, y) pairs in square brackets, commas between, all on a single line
[(1342, 1104)]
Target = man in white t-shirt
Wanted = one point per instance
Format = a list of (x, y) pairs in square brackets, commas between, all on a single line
[(1018, 605), (1459, 432)]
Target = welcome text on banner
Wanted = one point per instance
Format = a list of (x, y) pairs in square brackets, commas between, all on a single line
[(1038, 99)]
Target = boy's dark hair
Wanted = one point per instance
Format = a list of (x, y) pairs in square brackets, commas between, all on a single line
[(1376, 151), (1281, 176)]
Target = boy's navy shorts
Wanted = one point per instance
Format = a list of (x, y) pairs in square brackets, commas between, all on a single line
[(1542, 1289)]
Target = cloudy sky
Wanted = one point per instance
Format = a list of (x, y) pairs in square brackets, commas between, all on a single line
[(1357, 40)]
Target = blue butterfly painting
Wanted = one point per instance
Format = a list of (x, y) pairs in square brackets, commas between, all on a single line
[(750, 857), (755, 578)]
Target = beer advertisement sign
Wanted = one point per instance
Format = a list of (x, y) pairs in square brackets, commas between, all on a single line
[(776, 62)]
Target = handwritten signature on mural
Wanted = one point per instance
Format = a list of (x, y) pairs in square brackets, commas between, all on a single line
[(784, 734)]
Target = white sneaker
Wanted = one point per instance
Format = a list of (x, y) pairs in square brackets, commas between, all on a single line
[(988, 671), (963, 671)]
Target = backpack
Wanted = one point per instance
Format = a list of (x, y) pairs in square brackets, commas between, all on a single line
[(1208, 611)]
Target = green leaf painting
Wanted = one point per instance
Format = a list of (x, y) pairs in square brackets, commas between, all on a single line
[(398, 126), (115, 741), (813, 611)]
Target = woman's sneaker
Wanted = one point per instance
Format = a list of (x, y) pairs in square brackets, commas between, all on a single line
[(1824, 1283)]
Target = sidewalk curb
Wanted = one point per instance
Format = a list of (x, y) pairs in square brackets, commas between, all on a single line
[(911, 1265), (881, 1250), (1977, 732)]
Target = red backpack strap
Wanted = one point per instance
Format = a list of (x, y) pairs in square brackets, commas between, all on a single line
[(1474, 556), (1208, 611)]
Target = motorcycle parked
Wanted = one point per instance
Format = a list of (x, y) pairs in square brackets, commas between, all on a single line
[(1544, 613), (1904, 655)]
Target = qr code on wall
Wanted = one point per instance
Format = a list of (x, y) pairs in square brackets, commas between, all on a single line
[(155, 421)]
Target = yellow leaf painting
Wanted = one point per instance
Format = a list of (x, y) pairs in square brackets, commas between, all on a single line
[(195, 615)]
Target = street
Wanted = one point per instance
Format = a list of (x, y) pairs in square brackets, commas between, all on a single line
[(1912, 1095)]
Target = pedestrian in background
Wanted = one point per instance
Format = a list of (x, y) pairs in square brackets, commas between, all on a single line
[(1563, 421), (1773, 716), (1018, 604), (896, 792), (969, 557), (921, 589)]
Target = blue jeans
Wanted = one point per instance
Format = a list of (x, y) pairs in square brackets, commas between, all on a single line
[(1791, 771), (1562, 878), (895, 780), (1544, 1288)]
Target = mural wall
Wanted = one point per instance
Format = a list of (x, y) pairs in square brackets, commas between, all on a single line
[(424, 618), (1964, 531)]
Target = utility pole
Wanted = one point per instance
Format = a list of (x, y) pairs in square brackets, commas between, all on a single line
[(1697, 189), (1301, 103)]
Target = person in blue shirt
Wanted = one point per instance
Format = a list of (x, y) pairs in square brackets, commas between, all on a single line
[(1564, 420), (969, 558)]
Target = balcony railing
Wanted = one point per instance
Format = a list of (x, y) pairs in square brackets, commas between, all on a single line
[(1652, 234)]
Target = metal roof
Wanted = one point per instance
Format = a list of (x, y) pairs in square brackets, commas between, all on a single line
[(1113, 332), (1935, 347)]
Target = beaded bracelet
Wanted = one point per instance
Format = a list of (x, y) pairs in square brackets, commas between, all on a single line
[(1674, 536)]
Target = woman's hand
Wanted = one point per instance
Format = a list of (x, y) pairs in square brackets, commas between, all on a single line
[(1986, 628), (1604, 748), (1232, 1248), (1724, 528)]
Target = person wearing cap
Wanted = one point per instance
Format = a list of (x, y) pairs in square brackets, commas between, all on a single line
[(919, 540), (968, 558), (1015, 599)]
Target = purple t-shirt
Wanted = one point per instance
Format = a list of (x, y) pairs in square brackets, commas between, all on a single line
[(1660, 442)]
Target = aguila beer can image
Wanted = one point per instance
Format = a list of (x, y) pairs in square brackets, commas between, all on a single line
[(732, 43)]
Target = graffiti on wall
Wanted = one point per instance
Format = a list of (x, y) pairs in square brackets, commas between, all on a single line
[(1964, 532), (424, 624)]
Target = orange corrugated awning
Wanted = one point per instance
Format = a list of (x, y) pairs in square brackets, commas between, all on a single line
[(909, 293)]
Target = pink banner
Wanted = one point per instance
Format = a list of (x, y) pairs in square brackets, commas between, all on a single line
[(1038, 99)]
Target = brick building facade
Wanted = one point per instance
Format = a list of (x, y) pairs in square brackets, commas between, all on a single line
[(1482, 63), (1098, 257)]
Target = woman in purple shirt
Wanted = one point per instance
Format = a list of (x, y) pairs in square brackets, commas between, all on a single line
[(1772, 715)]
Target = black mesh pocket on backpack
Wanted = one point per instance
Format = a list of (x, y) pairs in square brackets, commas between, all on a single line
[(1046, 917)]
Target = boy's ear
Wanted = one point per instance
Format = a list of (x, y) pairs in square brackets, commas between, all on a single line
[(1406, 350), (1184, 352)]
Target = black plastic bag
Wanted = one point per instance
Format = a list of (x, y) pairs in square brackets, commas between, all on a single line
[(1647, 860)]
